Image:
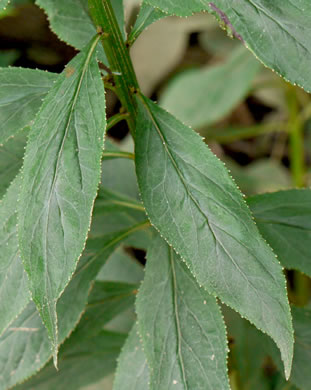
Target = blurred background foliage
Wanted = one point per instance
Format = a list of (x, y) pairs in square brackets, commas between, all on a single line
[(254, 121)]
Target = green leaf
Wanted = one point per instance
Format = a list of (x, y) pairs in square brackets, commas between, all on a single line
[(14, 294), (90, 353), (260, 176), (284, 220), (11, 160), (200, 97), (269, 29), (118, 175), (71, 22), (106, 301), (117, 205), (113, 212), (147, 15), (121, 267), (95, 359), (181, 326), (180, 7), (300, 376), (8, 57), (61, 173), (21, 94), (132, 372), (191, 199), (247, 356), (25, 346)]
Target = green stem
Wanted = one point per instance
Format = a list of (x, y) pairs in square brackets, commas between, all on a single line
[(302, 289), (232, 134), (128, 205), (233, 376), (117, 54), (110, 154), (116, 119), (296, 139)]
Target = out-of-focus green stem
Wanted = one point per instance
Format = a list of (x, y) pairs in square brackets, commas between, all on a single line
[(233, 376), (110, 154), (296, 139)]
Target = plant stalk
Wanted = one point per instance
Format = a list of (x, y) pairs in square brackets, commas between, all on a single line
[(296, 139), (116, 119), (118, 56)]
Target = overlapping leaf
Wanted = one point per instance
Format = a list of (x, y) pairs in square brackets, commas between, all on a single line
[(248, 358), (191, 199), (181, 326), (132, 372), (300, 376), (11, 160), (122, 267), (70, 20), (14, 294), (21, 94), (25, 347), (90, 353), (284, 219), (200, 97), (117, 204), (61, 173), (277, 32), (147, 15), (95, 360)]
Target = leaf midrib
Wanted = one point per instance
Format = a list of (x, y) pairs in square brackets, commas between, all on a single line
[(191, 196), (177, 322), (60, 152)]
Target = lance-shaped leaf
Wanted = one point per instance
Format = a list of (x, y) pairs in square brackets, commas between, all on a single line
[(146, 16), (14, 294), (132, 372), (181, 326), (191, 199), (284, 219), (71, 22), (268, 28), (200, 97), (11, 160), (21, 94), (61, 173), (25, 346)]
